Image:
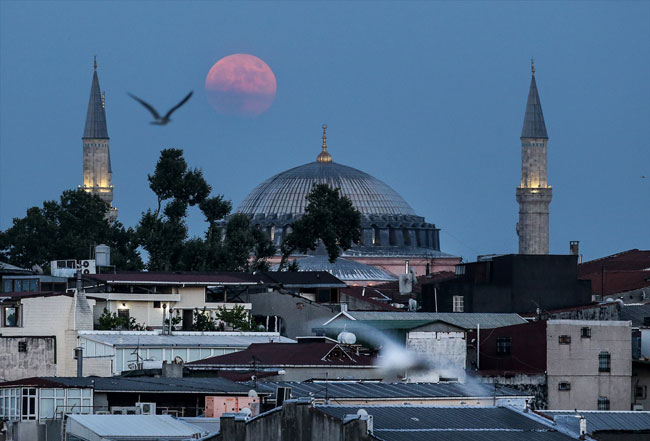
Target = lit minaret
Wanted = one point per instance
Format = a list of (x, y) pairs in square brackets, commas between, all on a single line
[(98, 177), (534, 194)]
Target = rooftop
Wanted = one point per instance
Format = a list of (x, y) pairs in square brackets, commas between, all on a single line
[(465, 320), (126, 427), (343, 269), (618, 273), (610, 420), (182, 339), (284, 354), (420, 423), (370, 390), (136, 384), (636, 313)]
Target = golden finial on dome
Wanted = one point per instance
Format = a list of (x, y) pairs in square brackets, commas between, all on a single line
[(324, 156)]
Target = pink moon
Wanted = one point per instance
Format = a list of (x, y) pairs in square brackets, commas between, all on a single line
[(241, 85)]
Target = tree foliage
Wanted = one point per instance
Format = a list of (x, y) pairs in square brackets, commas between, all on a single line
[(109, 321), (329, 218), (227, 244), (68, 229)]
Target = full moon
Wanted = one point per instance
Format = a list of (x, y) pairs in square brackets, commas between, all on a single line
[(241, 85)]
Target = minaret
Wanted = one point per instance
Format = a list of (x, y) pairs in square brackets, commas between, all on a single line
[(534, 194), (98, 176)]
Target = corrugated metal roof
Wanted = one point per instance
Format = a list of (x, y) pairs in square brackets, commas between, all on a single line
[(464, 320), (133, 426), (635, 313), (343, 269), (474, 435), (209, 340), (608, 420), (416, 423), (305, 277), (278, 354), (387, 390)]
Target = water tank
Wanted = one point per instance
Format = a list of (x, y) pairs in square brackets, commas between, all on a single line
[(103, 255), (347, 338)]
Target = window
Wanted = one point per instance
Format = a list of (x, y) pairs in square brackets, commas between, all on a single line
[(11, 316), (215, 294), (504, 345), (585, 332), (603, 403), (156, 304), (640, 392), (604, 362), (20, 285), (565, 339), (123, 313), (10, 404), (458, 303), (28, 404), (564, 385), (22, 346)]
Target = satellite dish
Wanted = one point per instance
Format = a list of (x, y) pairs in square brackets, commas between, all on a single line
[(347, 338), (252, 393), (246, 411), (362, 412), (178, 359)]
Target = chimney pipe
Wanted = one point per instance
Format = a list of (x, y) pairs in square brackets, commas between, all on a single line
[(79, 356), (574, 247)]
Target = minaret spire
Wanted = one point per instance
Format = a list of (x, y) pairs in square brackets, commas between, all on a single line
[(533, 194), (324, 155), (97, 172)]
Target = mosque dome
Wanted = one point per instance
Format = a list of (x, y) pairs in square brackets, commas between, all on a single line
[(286, 192), (389, 225)]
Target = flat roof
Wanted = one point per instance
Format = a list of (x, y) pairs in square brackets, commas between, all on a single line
[(465, 320), (199, 339), (135, 426)]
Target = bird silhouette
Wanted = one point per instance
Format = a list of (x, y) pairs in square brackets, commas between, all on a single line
[(157, 119)]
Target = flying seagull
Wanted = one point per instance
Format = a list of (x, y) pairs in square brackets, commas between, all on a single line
[(157, 119)]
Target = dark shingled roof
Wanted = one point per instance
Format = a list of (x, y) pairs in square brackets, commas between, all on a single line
[(286, 354), (534, 126), (135, 385), (415, 423), (96, 116)]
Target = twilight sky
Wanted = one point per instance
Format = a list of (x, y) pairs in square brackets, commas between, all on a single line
[(428, 97)]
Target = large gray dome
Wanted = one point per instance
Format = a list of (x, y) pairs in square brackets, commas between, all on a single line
[(285, 193)]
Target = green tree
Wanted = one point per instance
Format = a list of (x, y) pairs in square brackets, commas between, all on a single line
[(226, 245), (329, 218), (110, 321), (68, 229), (202, 321), (237, 317)]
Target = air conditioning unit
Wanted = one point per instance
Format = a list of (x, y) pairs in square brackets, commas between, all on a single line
[(637, 408), (147, 408), (125, 410), (87, 266)]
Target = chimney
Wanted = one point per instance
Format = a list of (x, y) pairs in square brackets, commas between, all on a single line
[(574, 247), (79, 356), (583, 426)]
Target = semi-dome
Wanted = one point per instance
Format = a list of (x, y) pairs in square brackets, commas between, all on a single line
[(285, 193)]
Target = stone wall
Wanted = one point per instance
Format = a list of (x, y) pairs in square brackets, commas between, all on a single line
[(36, 361)]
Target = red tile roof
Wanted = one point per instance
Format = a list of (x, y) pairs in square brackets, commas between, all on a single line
[(287, 354), (617, 273)]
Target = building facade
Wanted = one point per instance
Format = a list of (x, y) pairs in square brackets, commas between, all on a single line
[(533, 194), (97, 172)]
